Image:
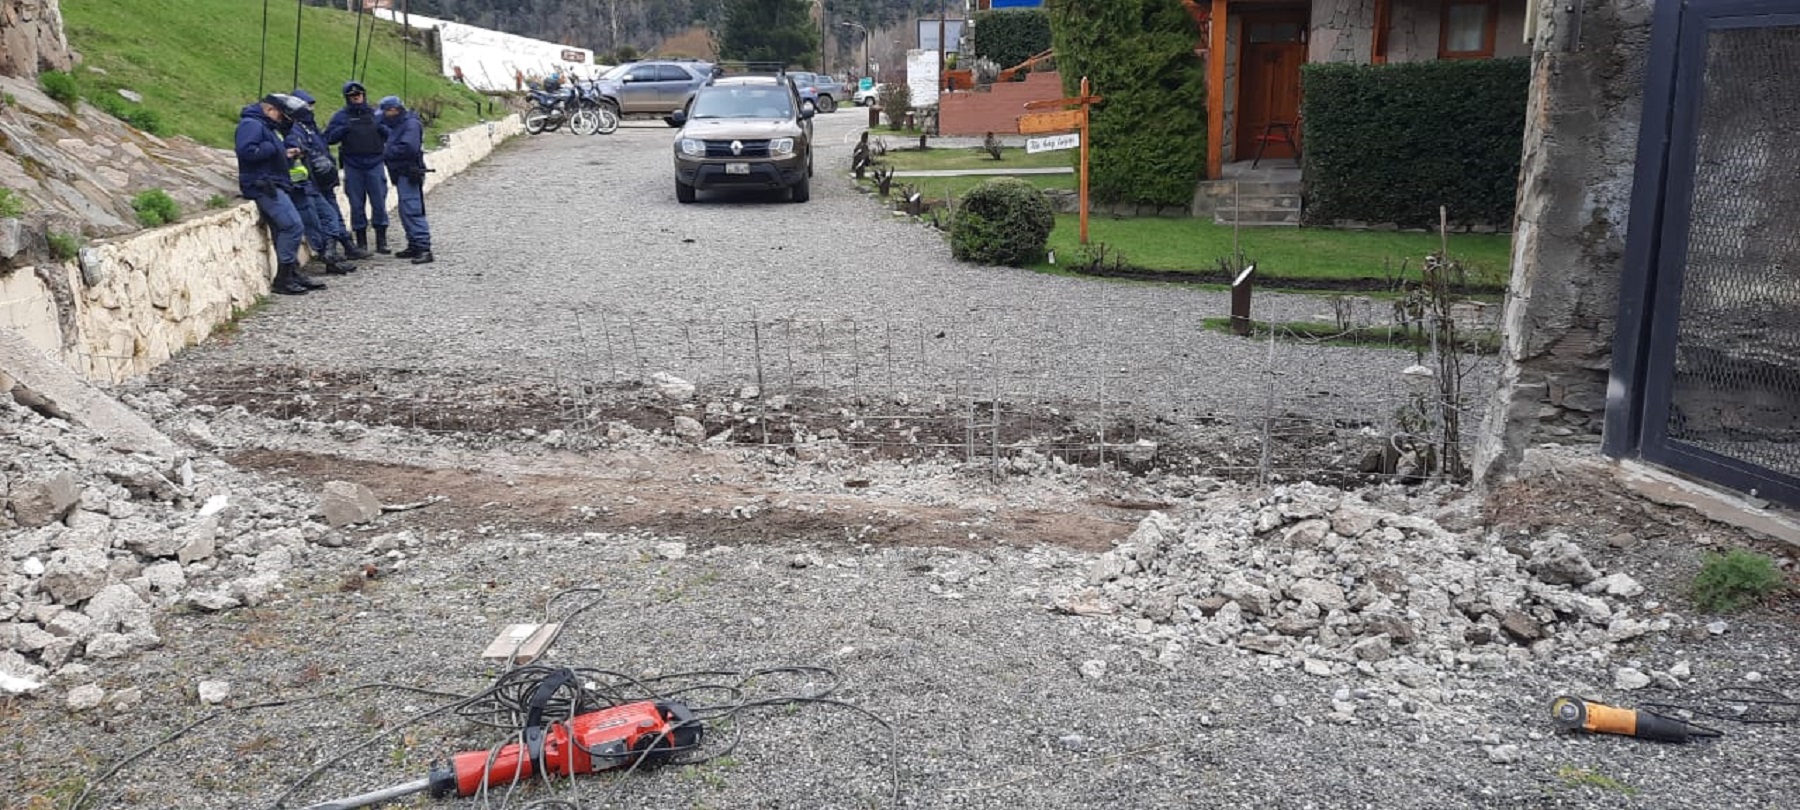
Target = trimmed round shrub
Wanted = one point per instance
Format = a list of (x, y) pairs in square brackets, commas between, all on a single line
[(1002, 221)]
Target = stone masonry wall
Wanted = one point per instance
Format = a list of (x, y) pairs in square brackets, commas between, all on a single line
[(127, 305), (1569, 233)]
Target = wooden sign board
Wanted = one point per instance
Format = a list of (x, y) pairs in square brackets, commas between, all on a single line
[(1043, 123)]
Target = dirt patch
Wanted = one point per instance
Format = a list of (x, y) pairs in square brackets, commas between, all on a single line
[(673, 500), (583, 416)]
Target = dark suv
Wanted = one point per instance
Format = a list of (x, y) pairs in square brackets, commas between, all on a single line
[(744, 132), (656, 87)]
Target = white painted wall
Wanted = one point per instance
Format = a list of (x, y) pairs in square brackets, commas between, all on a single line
[(491, 59)]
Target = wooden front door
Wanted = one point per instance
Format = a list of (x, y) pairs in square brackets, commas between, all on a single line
[(1274, 47)]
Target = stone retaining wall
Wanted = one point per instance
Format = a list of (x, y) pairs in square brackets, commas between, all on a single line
[(129, 304)]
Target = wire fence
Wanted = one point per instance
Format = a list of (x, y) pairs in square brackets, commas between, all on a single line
[(996, 389)]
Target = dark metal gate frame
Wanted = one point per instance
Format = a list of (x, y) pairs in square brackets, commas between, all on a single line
[(1656, 247)]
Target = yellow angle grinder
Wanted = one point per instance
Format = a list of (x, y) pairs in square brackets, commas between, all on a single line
[(1575, 714)]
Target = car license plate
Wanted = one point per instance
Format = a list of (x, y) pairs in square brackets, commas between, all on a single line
[(737, 168)]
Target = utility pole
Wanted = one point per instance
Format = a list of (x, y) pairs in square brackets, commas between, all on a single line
[(943, 71)]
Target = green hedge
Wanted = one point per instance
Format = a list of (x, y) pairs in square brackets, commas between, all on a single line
[(1009, 36), (1391, 143), (1149, 135)]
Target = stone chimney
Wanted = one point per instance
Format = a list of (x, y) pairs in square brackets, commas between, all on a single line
[(31, 37)]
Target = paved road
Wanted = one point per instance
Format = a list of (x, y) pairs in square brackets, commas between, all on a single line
[(568, 257)]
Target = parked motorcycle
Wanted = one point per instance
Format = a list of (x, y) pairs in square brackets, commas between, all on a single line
[(549, 110), (577, 104)]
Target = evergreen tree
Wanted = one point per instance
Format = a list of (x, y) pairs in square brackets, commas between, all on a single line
[(779, 31), (1149, 135)]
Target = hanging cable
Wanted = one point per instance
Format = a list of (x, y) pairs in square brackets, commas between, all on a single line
[(406, 46), (262, 71), (356, 44), (299, 9), (368, 49)]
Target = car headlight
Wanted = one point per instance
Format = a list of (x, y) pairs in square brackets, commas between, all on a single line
[(781, 146), (693, 147)]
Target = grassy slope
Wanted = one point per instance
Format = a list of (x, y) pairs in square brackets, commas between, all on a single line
[(1191, 244), (196, 62)]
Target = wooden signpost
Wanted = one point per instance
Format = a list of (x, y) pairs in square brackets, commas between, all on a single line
[(1062, 120)]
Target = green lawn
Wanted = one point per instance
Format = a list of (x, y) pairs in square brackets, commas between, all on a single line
[(196, 62), (978, 159), (937, 188), (1190, 245)]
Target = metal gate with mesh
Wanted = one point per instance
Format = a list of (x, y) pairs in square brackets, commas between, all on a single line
[(1709, 330)]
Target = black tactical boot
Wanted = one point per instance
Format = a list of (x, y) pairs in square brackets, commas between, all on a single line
[(353, 250), (336, 266), (362, 239), (409, 253), (284, 280), (381, 245), (307, 281), (424, 257)]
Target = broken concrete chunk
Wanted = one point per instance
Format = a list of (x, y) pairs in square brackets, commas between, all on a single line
[(346, 503), (85, 697), (1520, 627), (41, 501), (199, 541), (118, 606), (1324, 594), (1557, 560), (673, 387), (74, 574), (689, 428)]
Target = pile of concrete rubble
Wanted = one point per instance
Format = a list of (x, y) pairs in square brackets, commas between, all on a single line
[(96, 541), (1322, 579)]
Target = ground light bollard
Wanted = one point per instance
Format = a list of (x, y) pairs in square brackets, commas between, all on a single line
[(1240, 300)]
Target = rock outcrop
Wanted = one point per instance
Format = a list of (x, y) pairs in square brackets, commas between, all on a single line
[(31, 37)]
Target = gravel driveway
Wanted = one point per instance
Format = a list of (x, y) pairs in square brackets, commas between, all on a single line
[(568, 257), (947, 598)]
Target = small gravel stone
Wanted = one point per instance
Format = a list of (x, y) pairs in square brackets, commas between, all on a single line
[(85, 697), (1094, 669), (1628, 678), (213, 693), (1504, 754)]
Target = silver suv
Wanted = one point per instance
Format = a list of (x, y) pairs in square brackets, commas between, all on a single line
[(744, 132), (657, 87)]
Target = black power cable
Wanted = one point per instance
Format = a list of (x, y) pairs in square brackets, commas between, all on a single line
[(299, 14), (717, 699), (262, 70), (356, 44)]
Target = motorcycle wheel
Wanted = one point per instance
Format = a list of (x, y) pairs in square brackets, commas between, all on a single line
[(609, 121), (536, 120), (584, 122)]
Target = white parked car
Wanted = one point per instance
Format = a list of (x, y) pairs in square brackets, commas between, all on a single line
[(869, 97)]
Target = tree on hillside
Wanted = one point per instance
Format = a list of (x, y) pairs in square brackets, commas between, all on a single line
[(1149, 135), (781, 31)]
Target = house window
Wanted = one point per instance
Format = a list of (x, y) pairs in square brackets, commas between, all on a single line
[(1468, 29)]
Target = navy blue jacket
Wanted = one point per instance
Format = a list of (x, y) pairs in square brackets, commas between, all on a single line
[(261, 153), (340, 125), (405, 145)]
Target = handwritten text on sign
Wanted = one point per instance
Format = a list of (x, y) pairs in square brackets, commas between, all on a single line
[(1052, 143)]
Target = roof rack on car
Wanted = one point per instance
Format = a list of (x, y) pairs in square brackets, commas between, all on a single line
[(741, 66)]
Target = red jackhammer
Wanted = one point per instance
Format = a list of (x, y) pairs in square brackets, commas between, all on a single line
[(637, 735)]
